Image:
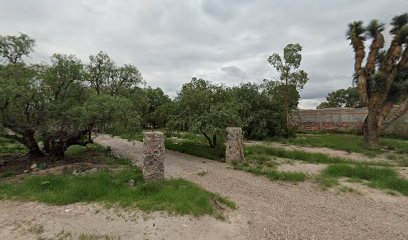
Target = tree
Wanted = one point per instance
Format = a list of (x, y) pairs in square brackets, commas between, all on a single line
[(342, 98), (205, 108), (382, 81), (53, 104), (290, 74), (122, 79), (13, 48), (100, 70), (156, 99)]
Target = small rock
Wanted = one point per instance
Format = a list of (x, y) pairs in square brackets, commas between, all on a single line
[(131, 183), (26, 171), (67, 210), (34, 166)]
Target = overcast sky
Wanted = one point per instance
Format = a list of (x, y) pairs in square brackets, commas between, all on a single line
[(224, 41)]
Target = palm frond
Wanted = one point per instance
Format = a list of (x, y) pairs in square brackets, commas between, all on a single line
[(373, 28), (355, 29), (398, 22)]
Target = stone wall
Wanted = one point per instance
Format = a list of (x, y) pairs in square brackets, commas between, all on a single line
[(343, 120)]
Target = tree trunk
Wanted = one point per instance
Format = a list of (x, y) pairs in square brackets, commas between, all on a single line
[(370, 130), (214, 139)]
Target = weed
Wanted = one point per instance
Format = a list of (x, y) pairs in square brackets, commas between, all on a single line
[(175, 196), (378, 177), (272, 174), (202, 173)]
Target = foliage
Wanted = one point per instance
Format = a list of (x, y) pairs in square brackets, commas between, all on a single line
[(378, 177), (290, 74), (345, 142), (272, 174), (55, 103), (205, 108), (175, 196), (197, 148), (342, 98), (299, 155), (13, 48), (382, 81)]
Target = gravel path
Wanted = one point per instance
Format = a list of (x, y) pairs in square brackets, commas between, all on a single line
[(275, 210)]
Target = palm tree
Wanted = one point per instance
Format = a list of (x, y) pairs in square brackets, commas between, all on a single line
[(383, 81)]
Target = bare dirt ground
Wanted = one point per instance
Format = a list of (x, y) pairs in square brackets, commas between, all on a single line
[(266, 210), (328, 151)]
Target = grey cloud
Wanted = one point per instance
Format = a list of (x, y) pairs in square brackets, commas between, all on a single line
[(222, 41)]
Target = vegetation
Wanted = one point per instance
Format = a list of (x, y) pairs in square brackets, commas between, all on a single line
[(111, 187), (342, 98), (382, 81), (205, 108), (272, 174), (290, 75), (377, 177), (345, 142), (298, 155)]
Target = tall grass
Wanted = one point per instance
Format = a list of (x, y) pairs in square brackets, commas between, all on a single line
[(175, 196), (378, 177)]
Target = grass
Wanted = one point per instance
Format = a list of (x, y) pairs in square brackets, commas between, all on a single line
[(197, 148), (84, 236), (378, 177), (175, 196), (272, 174), (188, 143), (9, 146), (298, 155), (345, 142), (96, 152)]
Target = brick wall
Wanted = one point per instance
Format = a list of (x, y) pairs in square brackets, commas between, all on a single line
[(343, 119)]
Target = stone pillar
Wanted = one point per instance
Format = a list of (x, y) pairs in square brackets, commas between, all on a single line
[(154, 155), (234, 152)]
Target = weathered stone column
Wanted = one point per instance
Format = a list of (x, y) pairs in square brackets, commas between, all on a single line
[(234, 152), (154, 155)]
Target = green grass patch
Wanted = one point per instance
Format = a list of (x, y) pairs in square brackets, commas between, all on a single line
[(378, 177), (94, 152), (10, 146), (345, 142), (272, 174), (175, 196), (197, 148), (298, 155)]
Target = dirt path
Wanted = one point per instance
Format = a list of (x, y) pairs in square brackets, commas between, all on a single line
[(327, 151), (266, 210)]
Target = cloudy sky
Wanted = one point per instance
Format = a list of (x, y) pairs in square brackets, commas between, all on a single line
[(225, 41)]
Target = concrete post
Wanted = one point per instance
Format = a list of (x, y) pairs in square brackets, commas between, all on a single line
[(234, 152), (154, 155)]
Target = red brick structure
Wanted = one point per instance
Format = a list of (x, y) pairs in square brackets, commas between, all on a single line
[(343, 120)]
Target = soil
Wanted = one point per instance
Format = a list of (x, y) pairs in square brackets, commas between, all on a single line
[(266, 209), (328, 151)]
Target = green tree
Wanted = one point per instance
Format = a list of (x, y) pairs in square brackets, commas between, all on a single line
[(383, 81), (342, 98), (53, 104), (13, 48), (99, 71), (156, 99), (205, 108), (290, 74)]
